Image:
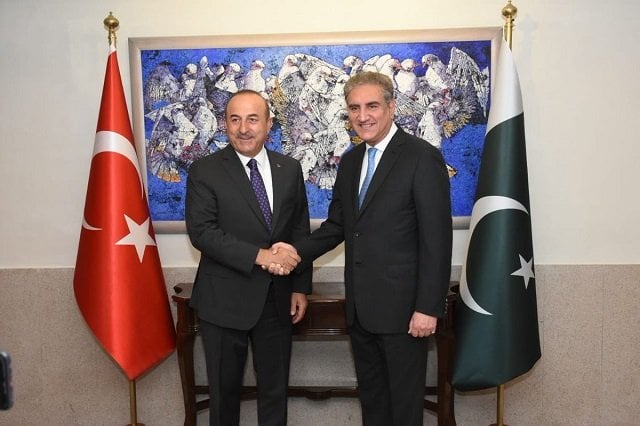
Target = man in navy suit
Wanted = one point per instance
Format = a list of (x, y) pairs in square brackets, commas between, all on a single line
[(392, 209), (239, 201)]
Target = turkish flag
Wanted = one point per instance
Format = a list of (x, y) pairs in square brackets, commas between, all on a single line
[(118, 281)]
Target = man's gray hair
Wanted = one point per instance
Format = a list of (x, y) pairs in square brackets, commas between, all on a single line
[(374, 78)]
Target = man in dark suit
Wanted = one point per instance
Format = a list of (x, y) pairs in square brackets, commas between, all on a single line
[(239, 201), (391, 207)]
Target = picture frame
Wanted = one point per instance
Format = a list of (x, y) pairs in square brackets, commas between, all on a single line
[(180, 86)]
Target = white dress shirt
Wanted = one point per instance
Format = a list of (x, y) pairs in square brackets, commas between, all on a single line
[(264, 167), (380, 146)]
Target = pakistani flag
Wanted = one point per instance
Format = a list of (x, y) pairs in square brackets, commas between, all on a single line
[(496, 321)]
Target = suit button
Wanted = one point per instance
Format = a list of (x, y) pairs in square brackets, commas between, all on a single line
[(356, 234)]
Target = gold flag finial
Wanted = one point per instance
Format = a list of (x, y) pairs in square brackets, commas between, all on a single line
[(509, 13), (111, 23)]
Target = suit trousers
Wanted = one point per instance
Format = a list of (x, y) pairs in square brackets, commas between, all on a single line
[(226, 353), (391, 371)]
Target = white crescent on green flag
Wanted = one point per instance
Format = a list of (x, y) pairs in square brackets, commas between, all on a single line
[(496, 322)]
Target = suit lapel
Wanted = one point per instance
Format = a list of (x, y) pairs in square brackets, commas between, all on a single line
[(236, 170), (389, 157), (278, 180), (357, 171)]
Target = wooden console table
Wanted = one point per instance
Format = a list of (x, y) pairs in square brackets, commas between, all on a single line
[(325, 317)]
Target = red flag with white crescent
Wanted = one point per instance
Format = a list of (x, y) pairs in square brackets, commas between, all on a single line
[(118, 281)]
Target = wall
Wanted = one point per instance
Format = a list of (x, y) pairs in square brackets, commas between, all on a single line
[(578, 63)]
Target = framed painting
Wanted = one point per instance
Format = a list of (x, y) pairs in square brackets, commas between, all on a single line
[(180, 86)]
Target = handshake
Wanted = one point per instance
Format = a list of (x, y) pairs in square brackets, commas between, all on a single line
[(280, 259)]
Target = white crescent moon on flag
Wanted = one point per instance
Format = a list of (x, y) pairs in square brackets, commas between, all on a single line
[(108, 141), (482, 208)]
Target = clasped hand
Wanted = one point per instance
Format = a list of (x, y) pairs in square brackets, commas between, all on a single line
[(279, 259)]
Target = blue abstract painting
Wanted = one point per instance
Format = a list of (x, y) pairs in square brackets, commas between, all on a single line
[(442, 96)]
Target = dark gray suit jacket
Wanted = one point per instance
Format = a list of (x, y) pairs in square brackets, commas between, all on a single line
[(225, 223), (398, 246)]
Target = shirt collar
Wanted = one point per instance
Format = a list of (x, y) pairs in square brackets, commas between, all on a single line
[(382, 145), (261, 157)]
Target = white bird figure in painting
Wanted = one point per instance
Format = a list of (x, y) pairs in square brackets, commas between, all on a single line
[(311, 98), (205, 121), (188, 81), (161, 87), (468, 77), (254, 80), (289, 66), (389, 68), (184, 131), (436, 74), (429, 128), (227, 81), (310, 108), (374, 63), (352, 65), (406, 80)]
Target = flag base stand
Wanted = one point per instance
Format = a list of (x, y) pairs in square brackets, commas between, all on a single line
[(500, 408), (132, 404)]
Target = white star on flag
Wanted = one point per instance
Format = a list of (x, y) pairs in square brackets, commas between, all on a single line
[(525, 271), (138, 236)]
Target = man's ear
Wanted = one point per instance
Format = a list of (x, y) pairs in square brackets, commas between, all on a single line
[(392, 106)]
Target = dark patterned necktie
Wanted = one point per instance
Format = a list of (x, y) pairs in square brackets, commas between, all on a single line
[(371, 167), (261, 193)]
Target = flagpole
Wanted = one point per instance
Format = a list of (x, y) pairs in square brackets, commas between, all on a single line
[(509, 13), (132, 404), (112, 24), (500, 407)]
